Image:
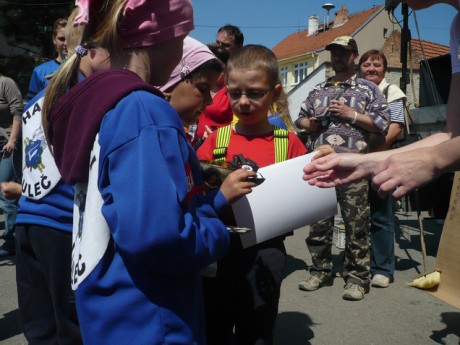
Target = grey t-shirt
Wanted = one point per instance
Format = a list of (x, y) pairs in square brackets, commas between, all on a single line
[(11, 105)]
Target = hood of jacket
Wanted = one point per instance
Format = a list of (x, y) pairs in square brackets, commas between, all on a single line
[(74, 121)]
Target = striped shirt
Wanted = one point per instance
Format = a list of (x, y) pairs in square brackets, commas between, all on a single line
[(397, 111)]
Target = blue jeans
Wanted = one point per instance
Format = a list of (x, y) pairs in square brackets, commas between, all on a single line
[(382, 234), (10, 170)]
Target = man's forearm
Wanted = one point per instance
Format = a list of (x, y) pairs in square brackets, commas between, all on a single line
[(446, 156)]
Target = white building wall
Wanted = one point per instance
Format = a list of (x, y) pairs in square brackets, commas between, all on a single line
[(298, 95)]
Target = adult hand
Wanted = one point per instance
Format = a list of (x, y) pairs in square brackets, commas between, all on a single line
[(342, 111), (236, 185), (323, 150), (8, 149), (338, 169), (403, 172), (309, 124)]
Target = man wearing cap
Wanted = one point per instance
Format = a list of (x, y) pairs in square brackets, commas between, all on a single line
[(342, 112)]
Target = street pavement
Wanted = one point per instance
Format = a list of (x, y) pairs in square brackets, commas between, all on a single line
[(396, 315)]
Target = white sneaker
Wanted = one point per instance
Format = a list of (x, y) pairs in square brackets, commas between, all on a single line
[(380, 281)]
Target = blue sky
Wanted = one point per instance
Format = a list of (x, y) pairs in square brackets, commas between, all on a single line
[(267, 22)]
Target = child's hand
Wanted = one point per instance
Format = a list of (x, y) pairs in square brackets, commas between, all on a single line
[(207, 131), (236, 185), (11, 190), (322, 151)]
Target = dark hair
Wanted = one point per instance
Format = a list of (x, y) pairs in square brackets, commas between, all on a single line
[(255, 57), (375, 55), (213, 65), (234, 31), (219, 51)]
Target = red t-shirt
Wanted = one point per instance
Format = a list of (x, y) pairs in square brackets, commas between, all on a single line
[(218, 114), (259, 148)]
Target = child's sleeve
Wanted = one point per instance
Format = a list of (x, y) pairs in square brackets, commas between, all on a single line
[(157, 224), (204, 152)]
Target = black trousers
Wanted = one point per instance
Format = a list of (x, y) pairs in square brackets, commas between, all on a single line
[(241, 303), (46, 300)]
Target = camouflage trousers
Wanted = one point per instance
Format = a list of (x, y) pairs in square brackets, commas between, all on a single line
[(354, 207)]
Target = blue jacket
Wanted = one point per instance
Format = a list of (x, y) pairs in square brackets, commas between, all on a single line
[(138, 255), (53, 206), (38, 81)]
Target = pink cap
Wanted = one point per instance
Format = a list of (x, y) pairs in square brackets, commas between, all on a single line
[(149, 22), (83, 14), (194, 55), (146, 22)]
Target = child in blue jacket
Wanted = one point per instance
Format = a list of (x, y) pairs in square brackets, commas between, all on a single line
[(142, 229)]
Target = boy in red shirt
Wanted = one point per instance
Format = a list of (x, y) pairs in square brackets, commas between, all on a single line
[(242, 300)]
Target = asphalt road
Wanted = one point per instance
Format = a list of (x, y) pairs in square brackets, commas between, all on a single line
[(395, 315)]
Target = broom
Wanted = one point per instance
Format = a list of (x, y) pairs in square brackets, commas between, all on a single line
[(426, 279)]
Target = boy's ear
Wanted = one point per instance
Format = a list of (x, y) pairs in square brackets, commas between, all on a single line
[(277, 92)]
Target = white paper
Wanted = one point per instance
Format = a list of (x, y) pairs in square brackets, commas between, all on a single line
[(283, 202)]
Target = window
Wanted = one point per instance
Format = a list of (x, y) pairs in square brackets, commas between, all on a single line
[(300, 72), (284, 75)]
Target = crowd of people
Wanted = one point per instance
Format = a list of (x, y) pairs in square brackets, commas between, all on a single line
[(116, 226)]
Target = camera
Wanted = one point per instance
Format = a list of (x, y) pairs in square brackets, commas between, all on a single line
[(239, 161), (325, 120)]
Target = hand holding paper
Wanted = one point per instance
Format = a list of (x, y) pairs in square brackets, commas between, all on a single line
[(284, 202)]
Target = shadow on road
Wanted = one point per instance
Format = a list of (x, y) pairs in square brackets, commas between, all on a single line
[(293, 328), (408, 236), (10, 325), (452, 322), (294, 264)]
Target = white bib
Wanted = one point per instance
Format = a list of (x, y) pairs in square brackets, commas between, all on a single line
[(91, 232), (39, 171)]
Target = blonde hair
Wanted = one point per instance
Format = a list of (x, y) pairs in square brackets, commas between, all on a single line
[(101, 34), (281, 108), (255, 57)]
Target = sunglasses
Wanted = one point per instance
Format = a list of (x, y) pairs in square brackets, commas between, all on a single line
[(253, 95)]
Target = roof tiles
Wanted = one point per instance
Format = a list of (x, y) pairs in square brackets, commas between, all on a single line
[(299, 43)]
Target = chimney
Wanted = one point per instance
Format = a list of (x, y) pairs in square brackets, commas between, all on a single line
[(312, 25), (340, 17)]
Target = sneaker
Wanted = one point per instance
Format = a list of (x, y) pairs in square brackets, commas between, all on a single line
[(354, 292), (314, 282), (380, 281), (5, 253)]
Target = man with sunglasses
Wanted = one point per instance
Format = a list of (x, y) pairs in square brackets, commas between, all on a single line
[(342, 112)]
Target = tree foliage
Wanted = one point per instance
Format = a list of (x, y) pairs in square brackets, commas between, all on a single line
[(28, 24), (31, 22)]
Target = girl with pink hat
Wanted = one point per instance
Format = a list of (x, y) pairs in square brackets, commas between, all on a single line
[(142, 229)]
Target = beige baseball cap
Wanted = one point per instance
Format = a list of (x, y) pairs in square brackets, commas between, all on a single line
[(346, 42)]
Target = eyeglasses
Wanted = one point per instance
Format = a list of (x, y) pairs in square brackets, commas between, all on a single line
[(253, 95)]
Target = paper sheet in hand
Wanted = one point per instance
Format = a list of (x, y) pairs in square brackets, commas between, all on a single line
[(284, 202)]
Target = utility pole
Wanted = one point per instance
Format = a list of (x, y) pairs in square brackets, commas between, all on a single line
[(405, 39)]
